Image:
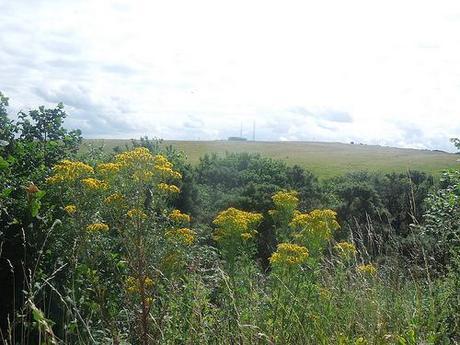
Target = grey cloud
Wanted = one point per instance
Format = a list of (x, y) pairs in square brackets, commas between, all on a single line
[(193, 123), (94, 117), (336, 116), (72, 95), (301, 111), (68, 64), (119, 69), (327, 115)]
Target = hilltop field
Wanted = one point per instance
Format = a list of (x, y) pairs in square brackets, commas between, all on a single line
[(323, 159)]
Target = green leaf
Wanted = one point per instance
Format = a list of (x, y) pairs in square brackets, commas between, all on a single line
[(3, 164), (35, 207), (6, 192)]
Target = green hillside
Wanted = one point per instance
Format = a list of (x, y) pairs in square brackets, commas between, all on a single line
[(323, 159)]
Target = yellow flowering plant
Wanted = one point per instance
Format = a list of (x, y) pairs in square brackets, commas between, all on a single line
[(129, 196), (178, 217), (314, 229), (345, 250), (289, 255), (235, 233), (286, 203), (70, 209), (367, 269)]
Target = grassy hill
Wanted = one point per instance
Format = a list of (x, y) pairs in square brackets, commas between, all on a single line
[(323, 159)]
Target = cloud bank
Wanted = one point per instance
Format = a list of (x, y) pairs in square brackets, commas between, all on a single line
[(366, 71)]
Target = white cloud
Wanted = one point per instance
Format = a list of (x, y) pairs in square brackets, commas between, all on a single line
[(368, 71)]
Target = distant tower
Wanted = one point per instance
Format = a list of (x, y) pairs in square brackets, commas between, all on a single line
[(254, 131), (241, 130)]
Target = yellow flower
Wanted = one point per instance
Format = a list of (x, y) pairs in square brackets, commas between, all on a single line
[(132, 284), (345, 250), (164, 168), (246, 236), (70, 209), (136, 214), (69, 171), (182, 235), (168, 188), (108, 168), (369, 269), (94, 183), (288, 254), (286, 199), (114, 198), (318, 224), (178, 216), (97, 227), (144, 166), (233, 223), (135, 158), (148, 282), (142, 175)]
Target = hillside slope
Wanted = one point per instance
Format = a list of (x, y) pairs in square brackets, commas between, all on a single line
[(323, 159)]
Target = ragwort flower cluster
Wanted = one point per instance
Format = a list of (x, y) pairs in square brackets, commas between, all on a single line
[(289, 255), (235, 226), (69, 171), (314, 229)]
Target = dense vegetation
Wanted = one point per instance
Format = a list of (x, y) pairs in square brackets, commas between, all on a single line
[(137, 246)]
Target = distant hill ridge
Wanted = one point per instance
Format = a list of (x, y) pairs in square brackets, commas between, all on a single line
[(325, 159)]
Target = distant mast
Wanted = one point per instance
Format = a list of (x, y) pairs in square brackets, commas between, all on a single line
[(254, 130), (241, 130)]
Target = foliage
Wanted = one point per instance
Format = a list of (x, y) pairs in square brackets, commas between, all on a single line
[(456, 142), (101, 248), (29, 147), (441, 229)]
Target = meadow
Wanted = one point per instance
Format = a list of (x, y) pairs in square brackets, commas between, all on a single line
[(322, 159)]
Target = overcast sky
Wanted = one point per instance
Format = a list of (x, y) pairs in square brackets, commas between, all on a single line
[(377, 72)]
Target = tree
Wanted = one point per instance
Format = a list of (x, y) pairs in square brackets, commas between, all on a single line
[(43, 129), (29, 148), (6, 125), (456, 142)]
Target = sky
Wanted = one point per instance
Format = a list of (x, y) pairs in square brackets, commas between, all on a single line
[(373, 72)]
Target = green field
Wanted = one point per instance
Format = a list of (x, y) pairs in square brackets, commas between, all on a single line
[(323, 159)]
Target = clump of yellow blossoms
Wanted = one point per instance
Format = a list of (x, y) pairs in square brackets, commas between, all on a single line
[(318, 224), (132, 285), (94, 183), (182, 236), (70, 209), (136, 214), (286, 199), (144, 166), (140, 156), (168, 188), (164, 167), (285, 203), (69, 171), (108, 168), (369, 269), (345, 250), (288, 254), (114, 198), (95, 227), (179, 217), (234, 224)]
